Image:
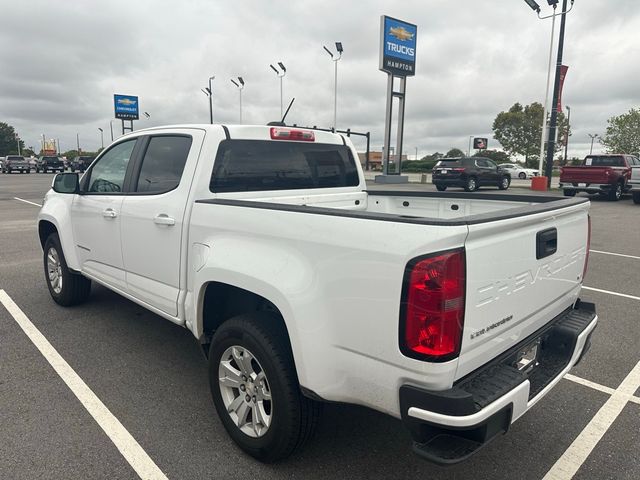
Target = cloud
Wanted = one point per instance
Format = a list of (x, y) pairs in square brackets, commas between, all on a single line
[(59, 76)]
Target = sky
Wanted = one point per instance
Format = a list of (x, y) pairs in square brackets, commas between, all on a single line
[(61, 63)]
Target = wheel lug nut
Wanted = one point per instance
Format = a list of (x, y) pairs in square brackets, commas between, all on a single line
[(243, 388), (247, 398), (254, 399)]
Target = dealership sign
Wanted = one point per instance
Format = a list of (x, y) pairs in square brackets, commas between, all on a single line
[(397, 46), (126, 107), (480, 143)]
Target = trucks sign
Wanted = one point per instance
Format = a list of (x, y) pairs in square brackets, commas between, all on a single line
[(126, 107), (397, 46)]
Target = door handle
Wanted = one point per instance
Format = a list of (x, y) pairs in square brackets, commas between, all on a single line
[(164, 219), (109, 213), (546, 243)]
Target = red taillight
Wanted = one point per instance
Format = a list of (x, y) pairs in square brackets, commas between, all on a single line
[(457, 169), (432, 313), (586, 256), (288, 134)]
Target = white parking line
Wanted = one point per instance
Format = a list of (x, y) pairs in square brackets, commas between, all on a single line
[(611, 293), (573, 458), (27, 201), (122, 439), (597, 386), (615, 254)]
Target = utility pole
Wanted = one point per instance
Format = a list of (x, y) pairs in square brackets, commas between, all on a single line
[(111, 126), (593, 137), (78, 142)]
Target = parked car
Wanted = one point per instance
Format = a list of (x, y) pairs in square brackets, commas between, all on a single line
[(603, 174), (266, 244), (469, 173), (15, 163), (80, 163), (49, 163), (634, 182), (518, 171)]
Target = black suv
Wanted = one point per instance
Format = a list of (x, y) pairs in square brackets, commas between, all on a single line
[(81, 163), (469, 173), (46, 163)]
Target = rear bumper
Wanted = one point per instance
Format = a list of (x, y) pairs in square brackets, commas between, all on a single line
[(449, 426), (588, 187), (449, 182)]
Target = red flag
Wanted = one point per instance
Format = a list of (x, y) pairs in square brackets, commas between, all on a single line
[(563, 74)]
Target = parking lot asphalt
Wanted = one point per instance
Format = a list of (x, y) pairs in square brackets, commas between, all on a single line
[(152, 377)]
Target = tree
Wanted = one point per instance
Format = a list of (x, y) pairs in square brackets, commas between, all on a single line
[(8, 142), (495, 155), (455, 152), (623, 133), (519, 130)]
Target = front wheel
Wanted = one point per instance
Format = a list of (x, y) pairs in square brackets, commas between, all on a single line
[(441, 188), (636, 198), (471, 184), (66, 288), (504, 183), (255, 387), (569, 192), (522, 176)]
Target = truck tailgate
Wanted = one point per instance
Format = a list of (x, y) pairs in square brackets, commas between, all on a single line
[(585, 174), (516, 282)]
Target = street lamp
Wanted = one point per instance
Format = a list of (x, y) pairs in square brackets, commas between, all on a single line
[(535, 7), (335, 60), (469, 151), (280, 75), (101, 137), (18, 140), (593, 137), (208, 91), (147, 114), (111, 127), (240, 85)]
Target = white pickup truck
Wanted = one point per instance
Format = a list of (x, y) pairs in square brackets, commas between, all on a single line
[(634, 182), (454, 312)]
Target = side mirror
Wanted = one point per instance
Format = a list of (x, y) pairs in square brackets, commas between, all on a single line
[(66, 183)]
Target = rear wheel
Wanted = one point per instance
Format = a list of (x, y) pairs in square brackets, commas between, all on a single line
[(522, 175), (66, 288), (636, 198), (471, 184), (255, 387), (568, 192), (615, 192), (441, 188), (504, 183)]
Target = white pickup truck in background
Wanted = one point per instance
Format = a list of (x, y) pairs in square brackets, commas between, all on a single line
[(634, 182), (454, 312)]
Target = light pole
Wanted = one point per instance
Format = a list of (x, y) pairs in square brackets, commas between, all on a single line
[(208, 91), (566, 138), (335, 60), (280, 75), (469, 150), (111, 127), (147, 115), (593, 137), (101, 138), (416, 153), (240, 85), (534, 6), (78, 142), (18, 140)]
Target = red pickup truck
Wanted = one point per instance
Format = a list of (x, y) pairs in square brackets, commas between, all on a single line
[(604, 174)]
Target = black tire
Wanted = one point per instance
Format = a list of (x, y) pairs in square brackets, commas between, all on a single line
[(568, 192), (636, 198), (441, 188), (505, 182), (522, 176), (75, 288), (615, 193), (294, 417), (471, 184)]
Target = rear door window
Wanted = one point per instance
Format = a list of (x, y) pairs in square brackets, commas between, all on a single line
[(257, 165), (163, 163)]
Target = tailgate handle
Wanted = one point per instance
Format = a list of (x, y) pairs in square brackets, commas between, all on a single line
[(546, 243)]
